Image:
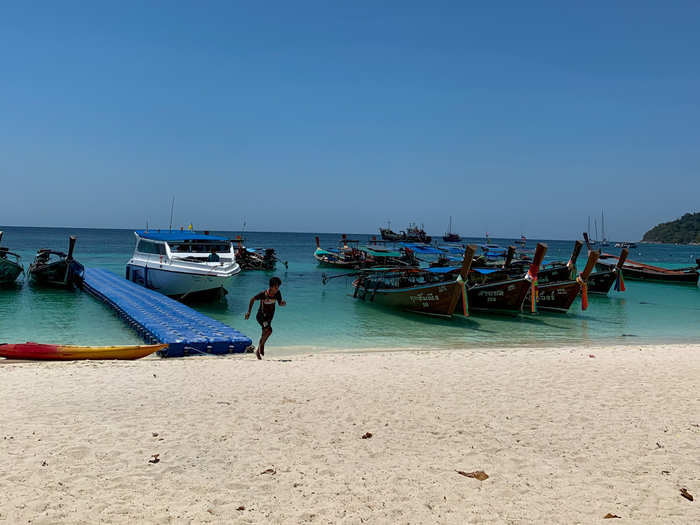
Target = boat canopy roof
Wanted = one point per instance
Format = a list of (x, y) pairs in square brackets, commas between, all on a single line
[(421, 248), (442, 269), (178, 236), (450, 269), (330, 251), (452, 249), (380, 252)]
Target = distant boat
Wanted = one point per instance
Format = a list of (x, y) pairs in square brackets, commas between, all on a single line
[(263, 259), (415, 234), (10, 265), (625, 244), (389, 235), (604, 242), (412, 234), (450, 236), (52, 268)]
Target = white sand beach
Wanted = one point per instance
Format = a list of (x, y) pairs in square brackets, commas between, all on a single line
[(566, 435)]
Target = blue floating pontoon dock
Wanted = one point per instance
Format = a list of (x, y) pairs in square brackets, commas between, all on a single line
[(158, 318)]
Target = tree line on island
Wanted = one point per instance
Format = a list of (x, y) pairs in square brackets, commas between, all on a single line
[(685, 230)]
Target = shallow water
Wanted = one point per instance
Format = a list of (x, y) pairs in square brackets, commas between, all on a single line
[(320, 317)]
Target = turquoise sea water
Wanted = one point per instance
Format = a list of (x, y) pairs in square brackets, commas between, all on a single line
[(321, 317)]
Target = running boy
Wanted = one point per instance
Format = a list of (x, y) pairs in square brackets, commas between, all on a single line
[(266, 311)]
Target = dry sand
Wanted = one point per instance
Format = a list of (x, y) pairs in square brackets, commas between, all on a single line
[(563, 437)]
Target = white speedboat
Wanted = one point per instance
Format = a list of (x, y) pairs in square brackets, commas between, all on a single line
[(182, 264)]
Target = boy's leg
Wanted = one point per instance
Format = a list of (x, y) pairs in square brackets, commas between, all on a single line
[(257, 350), (263, 339)]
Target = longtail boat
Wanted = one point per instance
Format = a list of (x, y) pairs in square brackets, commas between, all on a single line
[(414, 289), (264, 259), (551, 272), (497, 291), (54, 268), (559, 296), (377, 255), (418, 290), (600, 282), (646, 272), (346, 256), (49, 352), (10, 265)]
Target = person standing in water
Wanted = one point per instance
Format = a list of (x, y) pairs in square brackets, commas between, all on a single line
[(266, 311)]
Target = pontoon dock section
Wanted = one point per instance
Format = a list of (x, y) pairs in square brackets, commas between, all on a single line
[(158, 318)]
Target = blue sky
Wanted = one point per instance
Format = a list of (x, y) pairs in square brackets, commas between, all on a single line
[(329, 116)]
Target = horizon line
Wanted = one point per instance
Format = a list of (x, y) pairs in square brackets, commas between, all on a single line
[(516, 237)]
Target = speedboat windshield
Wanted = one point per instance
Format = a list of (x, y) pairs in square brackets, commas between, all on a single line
[(199, 247)]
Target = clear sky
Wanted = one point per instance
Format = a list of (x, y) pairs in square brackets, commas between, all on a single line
[(337, 116)]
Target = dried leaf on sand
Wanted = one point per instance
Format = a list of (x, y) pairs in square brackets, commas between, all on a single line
[(477, 474)]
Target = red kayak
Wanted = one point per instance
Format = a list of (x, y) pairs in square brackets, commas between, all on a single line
[(44, 352)]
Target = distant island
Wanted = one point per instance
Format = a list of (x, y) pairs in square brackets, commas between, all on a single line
[(685, 230)]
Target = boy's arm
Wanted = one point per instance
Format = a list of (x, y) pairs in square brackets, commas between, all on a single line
[(280, 301), (250, 306)]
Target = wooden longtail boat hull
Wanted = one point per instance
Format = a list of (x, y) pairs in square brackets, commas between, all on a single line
[(498, 297), (416, 290), (338, 263), (63, 273), (250, 260), (554, 274), (557, 271), (9, 271), (439, 299), (645, 272), (556, 297), (559, 296), (601, 282), (502, 293), (48, 352)]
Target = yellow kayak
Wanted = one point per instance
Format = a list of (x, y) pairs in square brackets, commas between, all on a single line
[(43, 352)]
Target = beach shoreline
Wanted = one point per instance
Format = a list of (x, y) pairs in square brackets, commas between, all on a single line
[(566, 434)]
